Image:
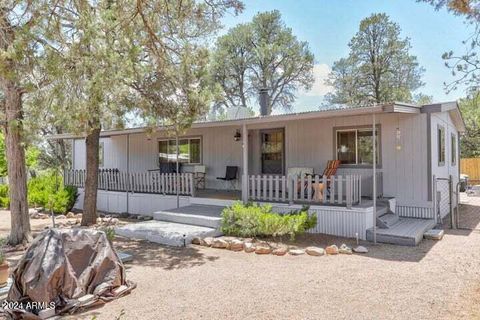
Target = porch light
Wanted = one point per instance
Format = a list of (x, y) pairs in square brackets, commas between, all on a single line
[(237, 136)]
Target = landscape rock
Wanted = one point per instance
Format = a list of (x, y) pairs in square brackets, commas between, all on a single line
[(219, 243), (43, 216), (249, 247), (333, 249), (207, 242), (32, 211), (78, 216), (345, 249), (263, 249), (296, 252), (434, 234), (236, 245), (280, 251), (99, 220), (197, 241), (360, 249), (315, 251), (70, 215), (60, 217)]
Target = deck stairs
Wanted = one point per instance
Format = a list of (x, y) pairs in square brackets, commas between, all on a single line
[(393, 229)]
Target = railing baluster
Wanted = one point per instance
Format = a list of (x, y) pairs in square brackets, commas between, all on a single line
[(284, 189), (270, 188), (259, 187), (277, 188), (340, 189), (317, 189), (332, 189), (309, 186)]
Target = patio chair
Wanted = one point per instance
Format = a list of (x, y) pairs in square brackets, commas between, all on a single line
[(230, 176)]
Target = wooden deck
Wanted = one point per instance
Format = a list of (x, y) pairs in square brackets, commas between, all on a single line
[(406, 232)]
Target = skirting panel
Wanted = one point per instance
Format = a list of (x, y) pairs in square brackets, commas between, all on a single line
[(415, 212)]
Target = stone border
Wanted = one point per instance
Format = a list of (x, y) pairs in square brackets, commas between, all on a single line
[(250, 245)]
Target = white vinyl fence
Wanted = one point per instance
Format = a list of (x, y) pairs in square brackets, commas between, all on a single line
[(335, 190), (137, 182)]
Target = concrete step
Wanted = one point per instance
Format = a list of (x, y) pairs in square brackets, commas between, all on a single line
[(387, 220), (167, 233), (191, 219)]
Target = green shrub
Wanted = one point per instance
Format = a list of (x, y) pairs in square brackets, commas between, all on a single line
[(252, 220), (4, 199), (48, 191)]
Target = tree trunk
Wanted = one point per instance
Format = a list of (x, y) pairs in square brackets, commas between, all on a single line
[(89, 216), (20, 232)]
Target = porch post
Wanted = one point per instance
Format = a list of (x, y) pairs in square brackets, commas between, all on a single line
[(374, 138), (245, 163), (128, 173)]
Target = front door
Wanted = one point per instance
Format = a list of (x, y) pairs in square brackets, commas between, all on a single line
[(272, 148)]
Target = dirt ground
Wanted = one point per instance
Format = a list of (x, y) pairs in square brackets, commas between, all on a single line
[(436, 280)]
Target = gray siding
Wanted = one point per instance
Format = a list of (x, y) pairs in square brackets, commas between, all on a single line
[(308, 143)]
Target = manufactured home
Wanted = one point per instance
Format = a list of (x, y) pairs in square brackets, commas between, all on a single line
[(321, 158)]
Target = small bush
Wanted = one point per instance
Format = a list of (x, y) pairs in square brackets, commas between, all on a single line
[(253, 220), (47, 191), (4, 199)]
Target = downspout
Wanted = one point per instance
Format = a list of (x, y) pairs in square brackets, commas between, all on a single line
[(374, 138), (177, 185)]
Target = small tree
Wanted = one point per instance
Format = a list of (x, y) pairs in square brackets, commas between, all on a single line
[(262, 54), (379, 67), (22, 44), (470, 140)]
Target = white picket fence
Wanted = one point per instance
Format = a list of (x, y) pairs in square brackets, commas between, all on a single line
[(335, 190), (138, 182)]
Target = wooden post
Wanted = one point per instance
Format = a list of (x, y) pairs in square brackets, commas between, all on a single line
[(245, 163)]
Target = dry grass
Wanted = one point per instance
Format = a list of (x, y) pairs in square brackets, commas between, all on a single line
[(436, 280)]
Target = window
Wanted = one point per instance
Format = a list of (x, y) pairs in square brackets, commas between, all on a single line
[(272, 151), (101, 154), (441, 145), (355, 146), (453, 150), (189, 150)]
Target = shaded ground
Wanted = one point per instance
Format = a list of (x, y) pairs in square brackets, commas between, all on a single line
[(436, 280)]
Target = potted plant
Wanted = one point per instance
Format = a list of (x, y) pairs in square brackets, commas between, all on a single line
[(3, 269)]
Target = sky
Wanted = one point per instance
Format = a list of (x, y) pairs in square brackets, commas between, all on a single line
[(328, 26)]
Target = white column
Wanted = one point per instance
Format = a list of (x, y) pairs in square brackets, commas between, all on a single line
[(245, 164)]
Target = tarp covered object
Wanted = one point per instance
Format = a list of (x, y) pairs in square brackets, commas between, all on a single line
[(62, 266)]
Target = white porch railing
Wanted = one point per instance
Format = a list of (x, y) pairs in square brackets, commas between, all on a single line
[(139, 182), (335, 190)]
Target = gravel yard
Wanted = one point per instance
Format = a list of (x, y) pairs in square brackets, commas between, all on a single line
[(436, 280)]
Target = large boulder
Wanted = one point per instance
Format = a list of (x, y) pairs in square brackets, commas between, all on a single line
[(315, 251), (360, 249), (280, 251), (345, 249), (263, 249), (207, 242), (296, 252), (249, 247), (219, 243), (333, 249), (236, 245)]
